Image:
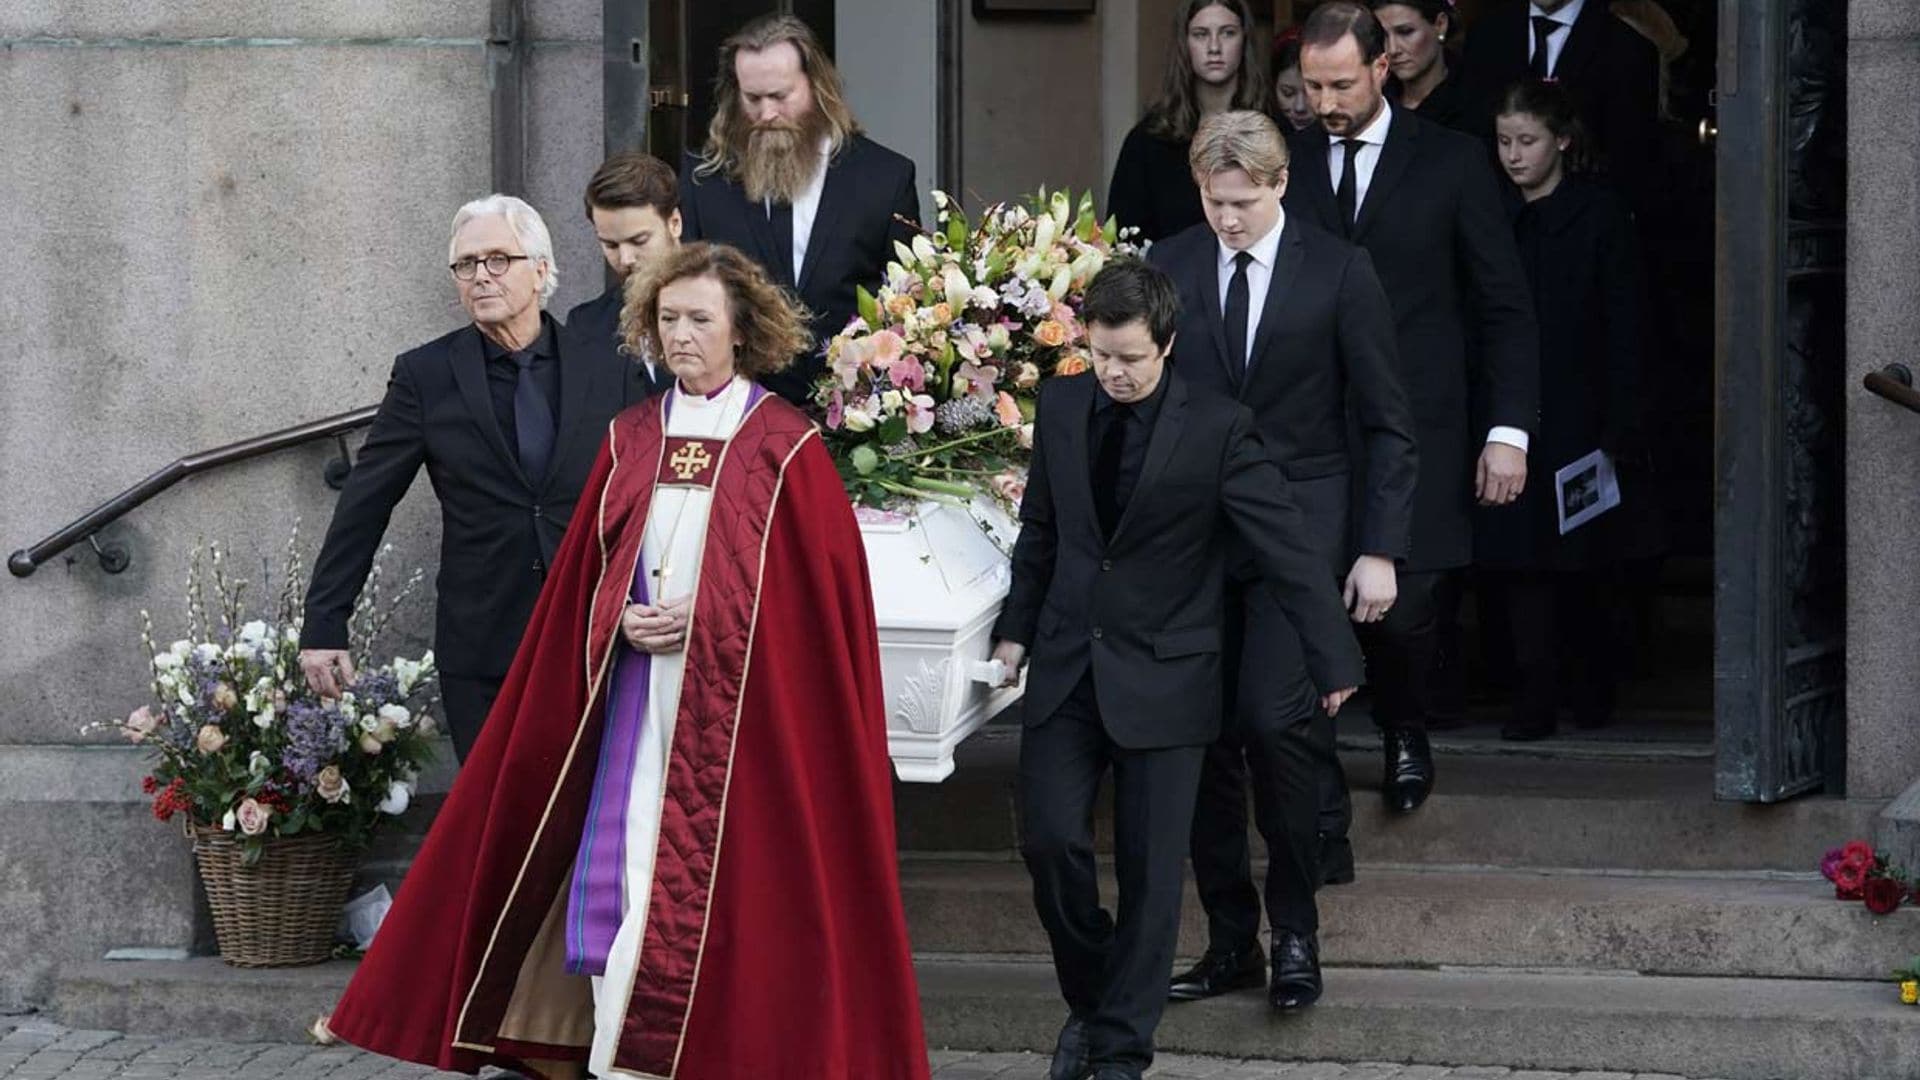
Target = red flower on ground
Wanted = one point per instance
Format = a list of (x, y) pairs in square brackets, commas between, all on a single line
[(1882, 895), (1849, 877), (1857, 851), (1841, 892)]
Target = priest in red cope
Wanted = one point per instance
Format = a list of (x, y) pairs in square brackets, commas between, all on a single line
[(671, 852)]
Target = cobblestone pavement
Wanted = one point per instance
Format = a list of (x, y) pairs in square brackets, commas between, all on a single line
[(36, 1050)]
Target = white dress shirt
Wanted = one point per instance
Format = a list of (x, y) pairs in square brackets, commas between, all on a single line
[(806, 207), (1259, 277), (1372, 138), (1558, 42)]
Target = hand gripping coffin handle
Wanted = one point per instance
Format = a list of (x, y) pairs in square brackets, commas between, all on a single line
[(991, 672)]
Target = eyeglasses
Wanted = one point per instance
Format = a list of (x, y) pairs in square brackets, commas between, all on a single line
[(496, 264)]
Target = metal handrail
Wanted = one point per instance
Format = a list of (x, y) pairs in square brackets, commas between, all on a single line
[(1895, 383), (114, 557)]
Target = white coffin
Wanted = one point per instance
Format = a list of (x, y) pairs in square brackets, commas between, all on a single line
[(939, 575)]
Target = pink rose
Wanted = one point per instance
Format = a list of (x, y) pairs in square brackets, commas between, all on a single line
[(1010, 486), (224, 698), (142, 722), (330, 785), (252, 817), (210, 739)]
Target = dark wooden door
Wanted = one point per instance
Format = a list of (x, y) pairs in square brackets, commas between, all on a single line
[(1779, 509)]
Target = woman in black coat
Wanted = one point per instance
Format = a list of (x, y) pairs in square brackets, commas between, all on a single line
[(1210, 69), (1576, 240), (1426, 74)]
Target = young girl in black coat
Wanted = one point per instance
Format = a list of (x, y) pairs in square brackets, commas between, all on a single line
[(1576, 239)]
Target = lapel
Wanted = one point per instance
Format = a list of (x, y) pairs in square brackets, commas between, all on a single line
[(1205, 283), (761, 227), (1166, 435), (1286, 266), (835, 195), (1078, 471), (470, 375), (1314, 182), (1582, 44), (579, 384), (1403, 132)]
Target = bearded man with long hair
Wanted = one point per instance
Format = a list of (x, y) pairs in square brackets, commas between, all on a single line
[(787, 177)]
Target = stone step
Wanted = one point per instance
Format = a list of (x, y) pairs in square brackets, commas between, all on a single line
[(1700, 924), (1738, 1029), (1506, 810)]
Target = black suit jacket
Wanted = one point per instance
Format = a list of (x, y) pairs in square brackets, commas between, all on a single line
[(1469, 351), (1609, 70), (868, 190), (1145, 609), (596, 323), (499, 527), (1324, 348)]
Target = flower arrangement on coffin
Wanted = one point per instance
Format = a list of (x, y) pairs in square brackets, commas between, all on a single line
[(929, 391), (274, 783), (1858, 872)]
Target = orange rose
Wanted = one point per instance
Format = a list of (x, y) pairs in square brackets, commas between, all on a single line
[(1071, 364), (900, 307), (1006, 410), (942, 313), (1051, 334)]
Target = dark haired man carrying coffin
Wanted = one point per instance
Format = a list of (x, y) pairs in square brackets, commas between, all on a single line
[(1140, 486)]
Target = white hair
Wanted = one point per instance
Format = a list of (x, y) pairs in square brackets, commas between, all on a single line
[(527, 227)]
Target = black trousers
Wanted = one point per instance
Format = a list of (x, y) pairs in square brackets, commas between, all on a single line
[(1279, 741), (1400, 653), (1566, 640), (466, 701), (1112, 968)]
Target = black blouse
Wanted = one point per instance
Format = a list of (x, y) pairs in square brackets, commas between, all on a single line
[(1450, 104), (1153, 188)]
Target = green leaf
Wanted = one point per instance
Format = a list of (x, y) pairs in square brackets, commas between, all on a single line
[(865, 459), (957, 231), (869, 306), (893, 430)]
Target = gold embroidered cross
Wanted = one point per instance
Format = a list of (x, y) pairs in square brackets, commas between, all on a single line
[(690, 461)]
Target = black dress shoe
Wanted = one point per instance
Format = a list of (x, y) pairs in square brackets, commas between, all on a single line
[(1336, 860), (1296, 972), (1070, 1053), (1220, 972), (1409, 769)]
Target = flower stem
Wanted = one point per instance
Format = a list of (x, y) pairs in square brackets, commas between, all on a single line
[(964, 440)]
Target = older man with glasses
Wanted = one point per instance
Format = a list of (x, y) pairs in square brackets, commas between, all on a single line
[(506, 413)]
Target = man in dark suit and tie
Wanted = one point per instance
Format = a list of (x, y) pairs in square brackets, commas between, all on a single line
[(1290, 320), (1137, 486), (787, 177), (1424, 202), (1609, 70), (507, 415), (633, 203)]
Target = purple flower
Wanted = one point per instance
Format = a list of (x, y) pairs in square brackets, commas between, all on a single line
[(1829, 863), (315, 736)]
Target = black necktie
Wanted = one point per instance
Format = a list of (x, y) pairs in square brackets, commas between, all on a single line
[(532, 421), (1543, 29), (1348, 193), (1106, 467), (1236, 313), (781, 215)]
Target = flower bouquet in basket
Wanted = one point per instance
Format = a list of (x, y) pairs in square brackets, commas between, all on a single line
[(279, 788), (929, 391)]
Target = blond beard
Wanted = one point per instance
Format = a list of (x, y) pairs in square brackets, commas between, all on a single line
[(777, 164)]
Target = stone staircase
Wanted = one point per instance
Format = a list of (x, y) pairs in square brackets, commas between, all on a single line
[(1577, 906)]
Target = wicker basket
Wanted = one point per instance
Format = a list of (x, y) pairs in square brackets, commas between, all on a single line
[(283, 910)]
